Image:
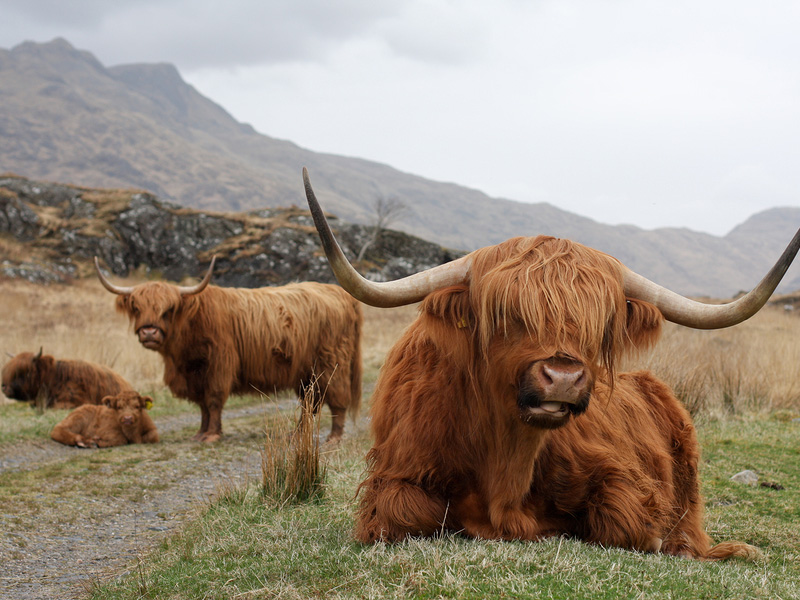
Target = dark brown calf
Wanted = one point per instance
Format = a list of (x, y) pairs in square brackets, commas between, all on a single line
[(60, 383)]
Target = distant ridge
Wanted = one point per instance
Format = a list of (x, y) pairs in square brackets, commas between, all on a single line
[(68, 118)]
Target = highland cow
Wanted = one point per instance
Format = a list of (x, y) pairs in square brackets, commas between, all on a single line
[(500, 413), (59, 383), (216, 342), (119, 420)]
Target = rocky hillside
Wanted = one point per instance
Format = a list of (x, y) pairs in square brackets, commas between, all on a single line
[(51, 232), (66, 117)]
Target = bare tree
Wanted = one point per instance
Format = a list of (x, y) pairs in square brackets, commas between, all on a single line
[(387, 210)]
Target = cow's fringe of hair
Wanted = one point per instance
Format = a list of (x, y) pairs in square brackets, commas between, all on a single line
[(556, 289)]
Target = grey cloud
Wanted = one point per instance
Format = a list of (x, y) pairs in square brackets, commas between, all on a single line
[(194, 34)]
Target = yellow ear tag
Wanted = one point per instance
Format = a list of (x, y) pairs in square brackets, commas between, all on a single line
[(148, 404), (463, 323)]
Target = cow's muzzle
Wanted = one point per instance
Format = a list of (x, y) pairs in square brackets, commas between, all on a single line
[(128, 420), (150, 336), (552, 390), (16, 392)]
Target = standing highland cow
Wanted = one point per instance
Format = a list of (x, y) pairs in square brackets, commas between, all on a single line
[(59, 383), (500, 413), (119, 420), (216, 342)]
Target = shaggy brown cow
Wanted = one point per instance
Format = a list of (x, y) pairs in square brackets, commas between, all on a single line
[(119, 420), (217, 341), (62, 383), (499, 413)]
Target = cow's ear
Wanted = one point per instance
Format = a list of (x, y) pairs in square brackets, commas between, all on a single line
[(108, 401), (146, 402), (644, 324), (44, 362), (451, 305), (122, 304)]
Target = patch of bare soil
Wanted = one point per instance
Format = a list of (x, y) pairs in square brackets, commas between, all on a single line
[(71, 517)]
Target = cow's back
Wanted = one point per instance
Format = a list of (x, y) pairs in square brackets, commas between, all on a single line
[(283, 334), (82, 382)]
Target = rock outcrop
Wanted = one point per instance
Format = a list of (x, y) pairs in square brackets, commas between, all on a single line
[(51, 232)]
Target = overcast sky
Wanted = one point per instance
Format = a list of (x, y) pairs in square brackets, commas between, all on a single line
[(672, 113)]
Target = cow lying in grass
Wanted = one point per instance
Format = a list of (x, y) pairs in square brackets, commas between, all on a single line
[(119, 420), (500, 412), (35, 378)]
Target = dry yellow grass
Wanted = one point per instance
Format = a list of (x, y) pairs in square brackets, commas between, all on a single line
[(79, 322), (754, 366), (382, 328), (76, 322), (751, 367)]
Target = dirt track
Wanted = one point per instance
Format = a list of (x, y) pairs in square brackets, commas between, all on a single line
[(63, 536)]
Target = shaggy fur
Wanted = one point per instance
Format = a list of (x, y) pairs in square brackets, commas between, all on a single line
[(454, 445), (62, 383), (236, 341), (119, 420)]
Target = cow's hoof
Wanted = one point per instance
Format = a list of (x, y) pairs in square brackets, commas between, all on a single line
[(332, 441), (654, 545), (209, 438)]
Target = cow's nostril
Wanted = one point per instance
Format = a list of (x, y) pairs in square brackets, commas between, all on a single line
[(581, 378), (551, 376)]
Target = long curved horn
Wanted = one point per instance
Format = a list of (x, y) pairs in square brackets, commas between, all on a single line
[(196, 289), (184, 290), (114, 289), (385, 294), (674, 307), (698, 315)]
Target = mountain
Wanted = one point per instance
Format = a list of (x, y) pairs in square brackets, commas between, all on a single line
[(65, 117)]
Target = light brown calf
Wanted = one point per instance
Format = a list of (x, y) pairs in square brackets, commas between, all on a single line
[(119, 420)]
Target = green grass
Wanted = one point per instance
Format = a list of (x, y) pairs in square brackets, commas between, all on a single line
[(242, 547), (19, 421)]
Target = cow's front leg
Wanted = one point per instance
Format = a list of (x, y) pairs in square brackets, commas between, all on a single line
[(212, 420), (204, 419), (393, 509), (628, 511), (337, 425), (497, 520)]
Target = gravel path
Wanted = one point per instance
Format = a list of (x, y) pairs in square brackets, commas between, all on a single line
[(66, 537)]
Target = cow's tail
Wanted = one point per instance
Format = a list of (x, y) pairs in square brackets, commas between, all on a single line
[(356, 366), (725, 550)]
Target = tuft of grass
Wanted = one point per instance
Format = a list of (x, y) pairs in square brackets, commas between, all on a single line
[(292, 473)]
